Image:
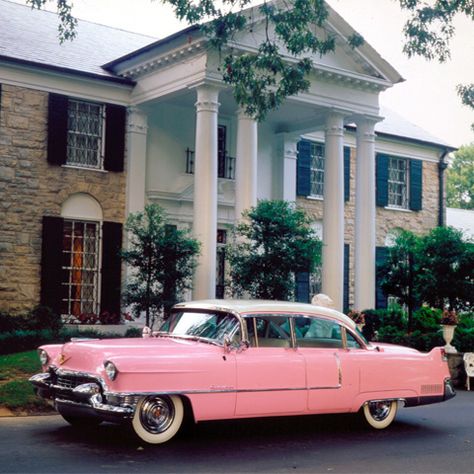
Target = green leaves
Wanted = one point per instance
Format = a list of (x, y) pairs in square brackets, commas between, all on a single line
[(272, 243), (67, 22), (430, 28), (436, 268), (162, 260), (460, 179)]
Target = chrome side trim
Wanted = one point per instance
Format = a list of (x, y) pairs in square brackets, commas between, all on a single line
[(205, 392)]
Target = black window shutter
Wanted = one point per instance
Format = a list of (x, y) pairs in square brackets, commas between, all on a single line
[(303, 170), (416, 185), (381, 174), (302, 287), (57, 129), (380, 257), (347, 173), (346, 277), (169, 286), (115, 117), (51, 257), (111, 267)]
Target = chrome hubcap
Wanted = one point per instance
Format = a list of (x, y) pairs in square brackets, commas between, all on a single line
[(156, 414), (379, 410)]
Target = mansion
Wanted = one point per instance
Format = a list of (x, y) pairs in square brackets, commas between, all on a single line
[(94, 129)]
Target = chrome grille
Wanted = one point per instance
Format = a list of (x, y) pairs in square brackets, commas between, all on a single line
[(70, 381)]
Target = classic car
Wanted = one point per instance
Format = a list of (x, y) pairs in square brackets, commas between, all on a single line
[(228, 359)]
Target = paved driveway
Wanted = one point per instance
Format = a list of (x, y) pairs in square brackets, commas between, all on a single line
[(430, 439)]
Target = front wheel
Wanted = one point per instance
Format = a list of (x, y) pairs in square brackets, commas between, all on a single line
[(158, 418), (380, 414)]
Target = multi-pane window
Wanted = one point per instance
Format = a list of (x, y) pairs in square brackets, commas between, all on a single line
[(85, 134), (317, 170), (398, 183), (80, 268)]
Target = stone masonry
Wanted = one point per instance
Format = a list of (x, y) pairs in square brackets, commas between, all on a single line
[(30, 187), (387, 219)]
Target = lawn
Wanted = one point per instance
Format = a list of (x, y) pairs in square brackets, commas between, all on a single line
[(16, 393)]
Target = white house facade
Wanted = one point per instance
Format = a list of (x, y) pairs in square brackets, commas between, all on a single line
[(89, 138)]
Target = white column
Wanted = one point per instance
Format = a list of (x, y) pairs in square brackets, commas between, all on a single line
[(137, 129), (205, 190), (333, 218), (365, 216), (245, 164), (288, 154)]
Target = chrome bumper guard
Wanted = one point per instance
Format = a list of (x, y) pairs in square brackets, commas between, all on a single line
[(84, 400)]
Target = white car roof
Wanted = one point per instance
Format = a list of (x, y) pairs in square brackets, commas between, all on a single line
[(266, 306)]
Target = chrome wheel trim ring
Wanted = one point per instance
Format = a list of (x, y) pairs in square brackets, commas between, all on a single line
[(380, 410), (156, 414)]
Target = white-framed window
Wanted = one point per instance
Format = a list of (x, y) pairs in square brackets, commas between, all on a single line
[(80, 267), (398, 173), (85, 137), (317, 170)]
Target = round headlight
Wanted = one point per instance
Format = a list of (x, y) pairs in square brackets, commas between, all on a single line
[(110, 370), (43, 356)]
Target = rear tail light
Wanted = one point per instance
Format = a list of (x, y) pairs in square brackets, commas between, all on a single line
[(444, 355)]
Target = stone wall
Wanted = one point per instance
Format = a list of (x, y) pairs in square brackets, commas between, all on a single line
[(387, 219), (30, 187)]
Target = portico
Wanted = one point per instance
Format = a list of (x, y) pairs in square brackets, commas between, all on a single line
[(189, 112)]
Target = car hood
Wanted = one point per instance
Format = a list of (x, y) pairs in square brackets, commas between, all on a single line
[(139, 355)]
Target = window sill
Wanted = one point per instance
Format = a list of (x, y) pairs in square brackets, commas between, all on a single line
[(315, 198), (84, 168), (401, 209)]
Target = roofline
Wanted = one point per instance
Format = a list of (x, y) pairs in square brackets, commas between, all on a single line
[(167, 39), (409, 139), (50, 67)]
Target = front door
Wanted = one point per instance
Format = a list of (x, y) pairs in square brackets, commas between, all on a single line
[(271, 378)]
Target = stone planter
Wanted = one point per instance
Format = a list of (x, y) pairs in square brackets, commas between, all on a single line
[(448, 334)]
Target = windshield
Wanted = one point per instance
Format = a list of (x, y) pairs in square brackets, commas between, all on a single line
[(207, 325)]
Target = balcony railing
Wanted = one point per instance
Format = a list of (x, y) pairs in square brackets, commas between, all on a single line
[(225, 164)]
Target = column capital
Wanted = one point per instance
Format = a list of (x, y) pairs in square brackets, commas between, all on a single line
[(334, 124), (137, 120), (207, 98)]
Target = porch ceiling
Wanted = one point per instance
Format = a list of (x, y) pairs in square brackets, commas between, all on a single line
[(293, 116)]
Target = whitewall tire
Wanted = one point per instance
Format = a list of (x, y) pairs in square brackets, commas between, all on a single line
[(380, 414), (158, 418)]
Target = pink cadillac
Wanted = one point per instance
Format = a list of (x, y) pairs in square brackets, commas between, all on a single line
[(221, 359)]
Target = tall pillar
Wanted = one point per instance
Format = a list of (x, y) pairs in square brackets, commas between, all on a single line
[(365, 215), (333, 218), (205, 190), (288, 154), (245, 164), (137, 129)]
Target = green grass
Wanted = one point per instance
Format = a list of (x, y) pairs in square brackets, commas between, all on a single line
[(16, 393)]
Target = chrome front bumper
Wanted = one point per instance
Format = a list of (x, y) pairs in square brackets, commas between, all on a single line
[(88, 399)]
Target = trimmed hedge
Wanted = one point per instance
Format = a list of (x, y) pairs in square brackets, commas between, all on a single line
[(391, 326), (19, 341)]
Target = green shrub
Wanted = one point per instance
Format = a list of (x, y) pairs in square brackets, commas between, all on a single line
[(426, 319), (375, 319), (133, 332), (39, 318), (24, 340)]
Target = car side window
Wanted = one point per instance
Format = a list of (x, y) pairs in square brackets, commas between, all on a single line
[(317, 332), (269, 331), (352, 342)]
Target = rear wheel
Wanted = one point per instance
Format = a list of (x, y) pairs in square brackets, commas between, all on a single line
[(380, 414), (158, 418)]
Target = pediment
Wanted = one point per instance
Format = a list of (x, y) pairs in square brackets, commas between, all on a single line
[(360, 61)]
